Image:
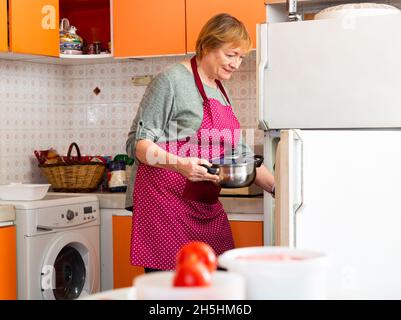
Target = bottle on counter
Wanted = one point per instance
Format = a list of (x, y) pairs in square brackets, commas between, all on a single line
[(117, 176), (128, 163)]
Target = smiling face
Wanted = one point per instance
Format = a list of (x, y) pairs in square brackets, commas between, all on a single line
[(220, 63)]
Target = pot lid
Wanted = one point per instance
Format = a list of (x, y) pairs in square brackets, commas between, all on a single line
[(356, 9), (234, 159)]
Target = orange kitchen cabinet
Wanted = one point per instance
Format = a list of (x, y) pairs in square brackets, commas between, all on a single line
[(3, 26), (8, 263), (247, 233), (148, 27), (124, 272), (250, 12), (34, 27)]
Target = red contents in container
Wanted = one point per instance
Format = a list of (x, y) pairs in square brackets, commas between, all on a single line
[(271, 257)]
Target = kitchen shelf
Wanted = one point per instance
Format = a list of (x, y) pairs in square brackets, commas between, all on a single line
[(85, 58), (64, 59)]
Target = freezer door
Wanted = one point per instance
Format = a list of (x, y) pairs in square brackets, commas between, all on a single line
[(337, 73), (351, 209)]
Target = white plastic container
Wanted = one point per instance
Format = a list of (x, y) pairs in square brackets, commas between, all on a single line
[(294, 274), (21, 191), (352, 10), (159, 286)]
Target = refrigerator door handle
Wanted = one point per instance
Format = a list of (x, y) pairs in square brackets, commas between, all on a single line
[(262, 66), (299, 169), (289, 186)]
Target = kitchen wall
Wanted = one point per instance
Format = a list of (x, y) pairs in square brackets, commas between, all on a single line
[(45, 105)]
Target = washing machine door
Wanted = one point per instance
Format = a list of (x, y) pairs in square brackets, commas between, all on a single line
[(70, 268)]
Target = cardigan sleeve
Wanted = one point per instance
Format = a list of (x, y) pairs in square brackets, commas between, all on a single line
[(154, 113)]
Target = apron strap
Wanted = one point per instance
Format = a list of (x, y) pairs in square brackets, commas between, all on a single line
[(199, 83), (220, 85)]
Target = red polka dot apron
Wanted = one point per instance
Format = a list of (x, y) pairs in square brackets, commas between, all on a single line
[(163, 219)]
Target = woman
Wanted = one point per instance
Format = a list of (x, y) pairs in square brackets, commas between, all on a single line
[(184, 120)]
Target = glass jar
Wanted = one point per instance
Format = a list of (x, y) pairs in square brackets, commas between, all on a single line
[(117, 177)]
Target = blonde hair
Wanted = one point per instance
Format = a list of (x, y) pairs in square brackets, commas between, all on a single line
[(219, 30)]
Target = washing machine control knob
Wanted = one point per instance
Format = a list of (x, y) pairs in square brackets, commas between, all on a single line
[(70, 215)]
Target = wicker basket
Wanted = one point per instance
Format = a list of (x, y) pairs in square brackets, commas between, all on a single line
[(74, 176)]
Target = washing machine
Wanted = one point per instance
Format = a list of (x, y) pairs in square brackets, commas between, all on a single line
[(58, 247)]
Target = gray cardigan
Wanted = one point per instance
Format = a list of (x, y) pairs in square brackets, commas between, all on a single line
[(171, 96)]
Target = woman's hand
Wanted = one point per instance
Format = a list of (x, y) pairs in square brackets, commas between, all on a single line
[(191, 169)]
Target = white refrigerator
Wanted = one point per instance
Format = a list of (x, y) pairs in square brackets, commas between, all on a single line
[(329, 99)]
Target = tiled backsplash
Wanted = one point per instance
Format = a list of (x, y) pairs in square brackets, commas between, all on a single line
[(45, 105)]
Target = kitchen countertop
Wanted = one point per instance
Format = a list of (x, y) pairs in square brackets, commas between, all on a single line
[(234, 206), (7, 215)]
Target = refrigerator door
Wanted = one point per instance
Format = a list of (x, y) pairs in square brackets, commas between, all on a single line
[(351, 208), (335, 73), (289, 187)]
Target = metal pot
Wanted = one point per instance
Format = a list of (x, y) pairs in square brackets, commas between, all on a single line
[(235, 171)]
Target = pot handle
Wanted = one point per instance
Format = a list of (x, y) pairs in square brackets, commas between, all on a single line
[(211, 170), (64, 25), (258, 160)]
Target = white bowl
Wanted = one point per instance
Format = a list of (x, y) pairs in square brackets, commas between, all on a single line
[(350, 10), (159, 286), (301, 276), (21, 191)]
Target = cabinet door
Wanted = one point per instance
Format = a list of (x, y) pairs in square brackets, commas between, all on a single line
[(148, 27), (124, 272), (8, 263), (34, 27), (3, 26), (247, 233), (250, 12)]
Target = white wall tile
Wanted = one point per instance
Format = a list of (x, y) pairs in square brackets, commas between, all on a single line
[(78, 117), (96, 116), (140, 67), (119, 116)]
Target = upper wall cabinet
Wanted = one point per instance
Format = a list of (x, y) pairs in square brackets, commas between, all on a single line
[(250, 12), (148, 27), (34, 27), (34, 24), (3, 26)]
